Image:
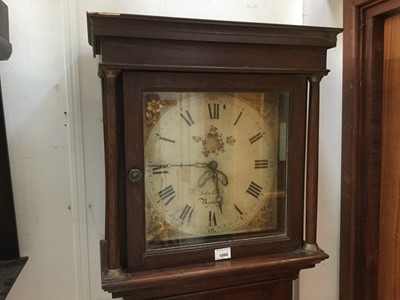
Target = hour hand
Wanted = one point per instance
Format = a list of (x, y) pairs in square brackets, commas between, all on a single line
[(221, 177), (203, 178), (215, 174)]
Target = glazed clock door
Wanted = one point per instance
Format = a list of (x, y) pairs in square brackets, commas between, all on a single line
[(215, 154), (211, 164)]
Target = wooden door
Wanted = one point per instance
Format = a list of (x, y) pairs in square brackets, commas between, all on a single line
[(389, 225), (370, 209)]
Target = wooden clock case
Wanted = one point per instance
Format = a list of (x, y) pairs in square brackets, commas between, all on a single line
[(138, 51)]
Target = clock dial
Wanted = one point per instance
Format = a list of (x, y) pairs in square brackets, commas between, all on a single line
[(211, 164)]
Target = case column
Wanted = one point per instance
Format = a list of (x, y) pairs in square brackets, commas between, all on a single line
[(312, 164), (111, 152)]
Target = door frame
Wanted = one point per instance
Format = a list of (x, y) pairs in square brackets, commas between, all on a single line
[(361, 145)]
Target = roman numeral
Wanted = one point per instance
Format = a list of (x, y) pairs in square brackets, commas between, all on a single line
[(188, 118), (166, 139), (213, 110), (238, 118), (254, 189), (160, 169), (167, 194), (238, 209), (261, 164), (255, 138), (212, 219), (186, 213)]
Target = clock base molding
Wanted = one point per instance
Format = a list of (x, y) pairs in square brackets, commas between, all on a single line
[(270, 275)]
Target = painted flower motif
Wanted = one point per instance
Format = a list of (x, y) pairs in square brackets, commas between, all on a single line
[(213, 143), (153, 110), (196, 138), (154, 106), (230, 140), (266, 109), (205, 152)]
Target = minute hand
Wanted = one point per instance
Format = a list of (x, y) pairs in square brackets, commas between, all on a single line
[(197, 165)]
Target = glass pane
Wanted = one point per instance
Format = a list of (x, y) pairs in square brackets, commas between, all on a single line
[(215, 166)]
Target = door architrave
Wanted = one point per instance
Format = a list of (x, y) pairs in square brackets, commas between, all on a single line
[(361, 145)]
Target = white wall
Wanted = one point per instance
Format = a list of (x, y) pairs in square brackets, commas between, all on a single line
[(35, 99), (54, 121), (323, 281)]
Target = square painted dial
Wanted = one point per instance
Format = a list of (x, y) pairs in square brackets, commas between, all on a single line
[(215, 165)]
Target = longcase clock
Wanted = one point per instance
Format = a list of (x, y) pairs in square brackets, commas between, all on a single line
[(205, 127)]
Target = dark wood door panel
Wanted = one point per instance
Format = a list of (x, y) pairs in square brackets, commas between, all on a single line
[(389, 233), (361, 146)]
